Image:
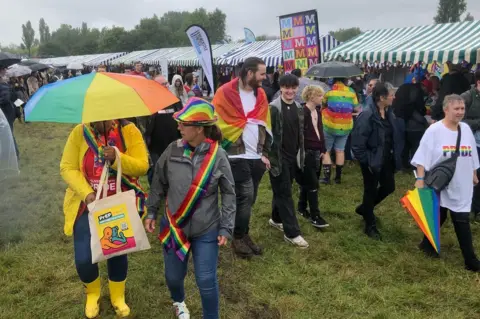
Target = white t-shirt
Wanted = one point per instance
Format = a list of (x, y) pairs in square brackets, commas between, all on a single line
[(250, 132), (437, 144)]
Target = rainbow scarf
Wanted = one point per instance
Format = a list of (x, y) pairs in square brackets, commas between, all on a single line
[(231, 117), (173, 235), (96, 146)]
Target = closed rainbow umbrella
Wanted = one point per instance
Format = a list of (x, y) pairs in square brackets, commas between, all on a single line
[(423, 204), (97, 97)]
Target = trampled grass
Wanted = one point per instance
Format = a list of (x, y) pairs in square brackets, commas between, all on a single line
[(342, 275)]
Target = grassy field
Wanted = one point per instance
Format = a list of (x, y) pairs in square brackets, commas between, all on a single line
[(343, 274)]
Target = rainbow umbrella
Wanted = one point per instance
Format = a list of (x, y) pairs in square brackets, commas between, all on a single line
[(424, 206), (97, 97)]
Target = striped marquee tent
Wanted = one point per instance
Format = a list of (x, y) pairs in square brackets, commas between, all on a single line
[(453, 42), (190, 58), (90, 60), (270, 51), (133, 57)]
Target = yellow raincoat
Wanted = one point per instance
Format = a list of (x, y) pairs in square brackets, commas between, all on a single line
[(134, 164)]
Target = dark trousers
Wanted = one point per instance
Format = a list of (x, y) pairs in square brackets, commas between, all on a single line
[(376, 187), (308, 181), (247, 174), (151, 171), (283, 210), (412, 142), (88, 272), (476, 193), (461, 224)]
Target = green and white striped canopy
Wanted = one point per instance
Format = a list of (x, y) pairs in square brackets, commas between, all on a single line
[(453, 42)]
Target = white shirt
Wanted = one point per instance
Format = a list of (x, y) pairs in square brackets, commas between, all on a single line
[(437, 144), (250, 132)]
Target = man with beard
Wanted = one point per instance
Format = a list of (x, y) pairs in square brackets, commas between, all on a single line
[(244, 119)]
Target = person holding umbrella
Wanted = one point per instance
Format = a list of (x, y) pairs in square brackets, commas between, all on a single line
[(437, 145), (339, 105), (88, 147)]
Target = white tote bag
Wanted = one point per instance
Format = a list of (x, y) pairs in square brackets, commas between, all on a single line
[(115, 225)]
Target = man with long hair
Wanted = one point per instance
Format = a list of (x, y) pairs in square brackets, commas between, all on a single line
[(244, 118)]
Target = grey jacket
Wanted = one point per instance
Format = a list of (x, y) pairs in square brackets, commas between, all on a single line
[(472, 106), (277, 131), (174, 174)]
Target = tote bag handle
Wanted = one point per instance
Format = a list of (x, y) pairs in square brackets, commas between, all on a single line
[(103, 185)]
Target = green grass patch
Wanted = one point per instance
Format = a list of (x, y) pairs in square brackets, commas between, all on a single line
[(343, 274)]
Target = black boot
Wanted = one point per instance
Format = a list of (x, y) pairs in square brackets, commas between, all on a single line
[(303, 203), (327, 172), (461, 223), (427, 248), (338, 174)]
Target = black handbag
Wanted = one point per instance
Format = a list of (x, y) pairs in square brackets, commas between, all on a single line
[(441, 174)]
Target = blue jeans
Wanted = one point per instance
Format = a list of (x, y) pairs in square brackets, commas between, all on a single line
[(88, 272), (205, 257)]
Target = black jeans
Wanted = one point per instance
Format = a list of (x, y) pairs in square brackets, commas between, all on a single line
[(412, 142), (461, 224), (376, 187), (308, 181), (283, 210), (247, 174)]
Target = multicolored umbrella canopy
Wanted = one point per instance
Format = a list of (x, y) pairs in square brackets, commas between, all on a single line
[(424, 206), (97, 97)]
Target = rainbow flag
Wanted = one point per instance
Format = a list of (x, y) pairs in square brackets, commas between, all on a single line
[(231, 117), (173, 237)]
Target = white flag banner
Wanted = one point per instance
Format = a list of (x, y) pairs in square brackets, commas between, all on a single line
[(200, 41), (164, 68)]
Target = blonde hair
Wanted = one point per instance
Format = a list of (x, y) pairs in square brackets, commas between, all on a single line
[(311, 91)]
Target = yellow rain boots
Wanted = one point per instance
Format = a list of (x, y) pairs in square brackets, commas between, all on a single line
[(93, 295), (117, 297)]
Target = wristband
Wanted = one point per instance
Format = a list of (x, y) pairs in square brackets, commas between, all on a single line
[(420, 178)]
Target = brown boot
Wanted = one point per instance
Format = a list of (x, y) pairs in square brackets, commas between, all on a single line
[(241, 249), (257, 250)]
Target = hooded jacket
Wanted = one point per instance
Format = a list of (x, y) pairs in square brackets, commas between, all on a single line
[(174, 173), (184, 96)]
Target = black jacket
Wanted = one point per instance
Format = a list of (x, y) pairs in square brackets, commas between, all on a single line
[(455, 83), (162, 130), (368, 138), (409, 105), (6, 103)]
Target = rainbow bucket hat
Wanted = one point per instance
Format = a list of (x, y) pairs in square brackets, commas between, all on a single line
[(197, 112)]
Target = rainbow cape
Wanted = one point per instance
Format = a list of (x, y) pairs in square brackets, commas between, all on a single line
[(231, 117), (173, 237)]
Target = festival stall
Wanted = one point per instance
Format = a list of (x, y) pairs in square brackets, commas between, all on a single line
[(132, 57), (455, 42)]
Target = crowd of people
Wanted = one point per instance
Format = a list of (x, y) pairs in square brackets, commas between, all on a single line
[(195, 151)]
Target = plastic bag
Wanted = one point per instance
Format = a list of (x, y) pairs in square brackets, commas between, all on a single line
[(8, 155)]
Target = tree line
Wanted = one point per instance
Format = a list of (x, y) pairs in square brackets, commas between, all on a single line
[(165, 31)]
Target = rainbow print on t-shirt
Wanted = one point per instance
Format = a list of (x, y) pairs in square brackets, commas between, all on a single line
[(465, 151)]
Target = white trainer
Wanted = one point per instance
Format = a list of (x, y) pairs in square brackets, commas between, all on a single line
[(278, 226), (181, 310), (297, 241)]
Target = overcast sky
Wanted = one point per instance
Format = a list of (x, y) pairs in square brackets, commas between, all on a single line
[(258, 15)]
